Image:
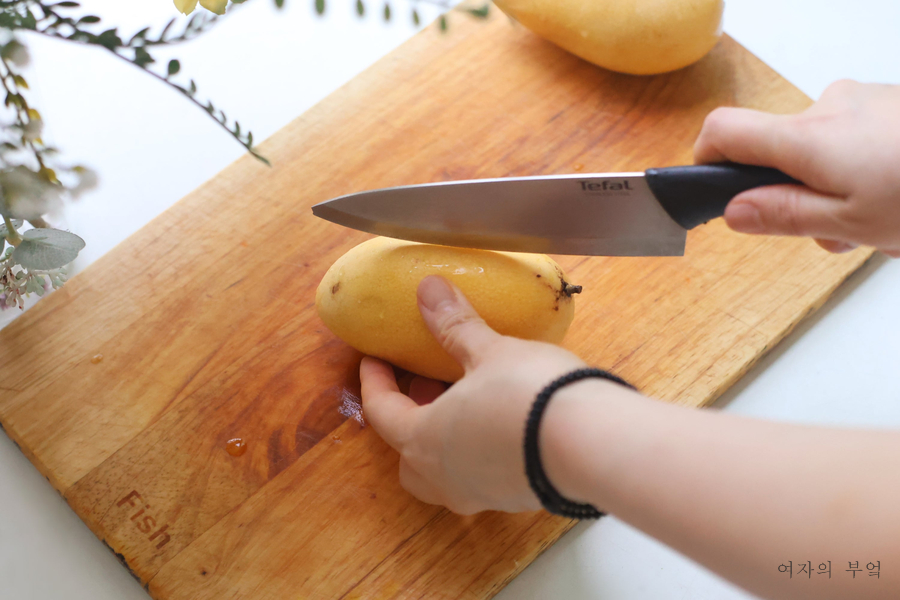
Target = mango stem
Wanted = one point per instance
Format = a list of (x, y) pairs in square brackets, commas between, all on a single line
[(569, 289)]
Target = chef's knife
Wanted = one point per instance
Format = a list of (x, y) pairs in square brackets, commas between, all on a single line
[(608, 214)]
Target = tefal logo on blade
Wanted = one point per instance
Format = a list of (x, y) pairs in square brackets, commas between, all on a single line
[(607, 185), (143, 521)]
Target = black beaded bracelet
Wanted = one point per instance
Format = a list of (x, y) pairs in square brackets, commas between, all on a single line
[(550, 498)]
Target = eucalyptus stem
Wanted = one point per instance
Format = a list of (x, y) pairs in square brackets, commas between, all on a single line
[(12, 236), (22, 111)]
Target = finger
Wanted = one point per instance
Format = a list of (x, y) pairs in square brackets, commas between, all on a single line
[(835, 247), (389, 411), (453, 322), (744, 136), (787, 210), (424, 390), (892, 253), (416, 485)]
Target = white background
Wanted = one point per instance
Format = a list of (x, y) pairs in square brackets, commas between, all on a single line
[(151, 148)]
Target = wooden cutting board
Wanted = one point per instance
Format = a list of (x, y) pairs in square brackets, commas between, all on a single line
[(206, 326)]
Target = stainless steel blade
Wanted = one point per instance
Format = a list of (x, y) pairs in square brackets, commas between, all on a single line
[(598, 214)]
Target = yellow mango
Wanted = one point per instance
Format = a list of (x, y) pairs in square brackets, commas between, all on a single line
[(641, 37), (368, 299)]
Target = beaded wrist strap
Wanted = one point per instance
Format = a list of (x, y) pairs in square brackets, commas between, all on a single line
[(550, 498)]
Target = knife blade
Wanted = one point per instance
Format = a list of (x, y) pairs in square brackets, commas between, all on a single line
[(601, 214)]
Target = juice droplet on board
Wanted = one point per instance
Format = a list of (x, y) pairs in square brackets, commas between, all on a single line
[(351, 407), (235, 446), (97, 359)]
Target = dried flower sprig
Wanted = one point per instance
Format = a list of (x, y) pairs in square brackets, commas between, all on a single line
[(16, 283)]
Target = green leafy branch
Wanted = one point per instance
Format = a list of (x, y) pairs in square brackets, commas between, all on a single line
[(56, 21), (479, 11), (33, 181)]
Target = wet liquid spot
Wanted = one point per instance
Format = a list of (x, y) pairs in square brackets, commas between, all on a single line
[(351, 407), (235, 446), (97, 359)]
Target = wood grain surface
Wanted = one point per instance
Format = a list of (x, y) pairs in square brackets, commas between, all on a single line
[(207, 329)]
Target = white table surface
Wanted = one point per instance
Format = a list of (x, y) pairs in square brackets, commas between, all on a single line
[(151, 148)]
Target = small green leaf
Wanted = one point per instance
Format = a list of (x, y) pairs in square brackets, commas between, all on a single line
[(48, 174), (415, 18), (45, 249), (4, 231), (162, 35), (140, 35), (110, 39), (174, 67), (193, 87), (279, 3), (66, 5), (192, 22), (481, 12), (320, 7), (259, 157), (89, 19), (360, 8), (14, 51), (387, 11), (442, 22), (20, 81), (29, 21), (142, 58)]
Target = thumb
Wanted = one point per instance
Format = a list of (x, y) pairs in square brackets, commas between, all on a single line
[(787, 210), (453, 322)]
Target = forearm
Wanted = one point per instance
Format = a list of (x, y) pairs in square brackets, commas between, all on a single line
[(738, 495)]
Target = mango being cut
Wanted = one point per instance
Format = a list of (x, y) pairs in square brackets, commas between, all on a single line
[(368, 299), (640, 37)]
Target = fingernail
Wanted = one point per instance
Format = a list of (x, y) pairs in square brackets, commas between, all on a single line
[(435, 291), (744, 217)]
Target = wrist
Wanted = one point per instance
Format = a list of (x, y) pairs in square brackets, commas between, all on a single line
[(575, 436)]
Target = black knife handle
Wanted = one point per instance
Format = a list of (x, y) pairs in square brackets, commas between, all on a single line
[(695, 194)]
